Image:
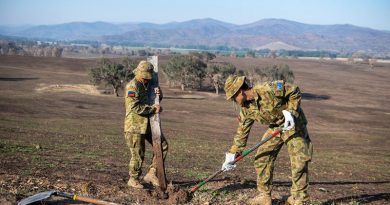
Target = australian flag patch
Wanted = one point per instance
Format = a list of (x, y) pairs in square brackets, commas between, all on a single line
[(279, 86), (130, 94)]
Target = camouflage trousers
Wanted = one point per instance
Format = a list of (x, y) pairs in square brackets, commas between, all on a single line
[(136, 143), (300, 150)]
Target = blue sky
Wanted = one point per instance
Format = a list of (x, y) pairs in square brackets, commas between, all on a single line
[(367, 13)]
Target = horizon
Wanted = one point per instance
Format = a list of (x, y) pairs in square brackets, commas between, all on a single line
[(368, 14), (118, 23), (207, 18)]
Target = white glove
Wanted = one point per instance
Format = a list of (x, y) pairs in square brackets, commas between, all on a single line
[(288, 120), (229, 157)]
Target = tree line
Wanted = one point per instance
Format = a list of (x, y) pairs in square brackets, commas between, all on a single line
[(189, 71), (11, 48)]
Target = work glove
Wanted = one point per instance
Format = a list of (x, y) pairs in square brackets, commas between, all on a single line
[(158, 92), (229, 157), (288, 120)]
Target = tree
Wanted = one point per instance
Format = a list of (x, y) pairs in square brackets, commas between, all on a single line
[(204, 55), (361, 55), (111, 73), (197, 69), (129, 65), (218, 72), (282, 72), (142, 52), (251, 54), (371, 63), (187, 70), (270, 73), (273, 54), (175, 72), (254, 75), (57, 52)]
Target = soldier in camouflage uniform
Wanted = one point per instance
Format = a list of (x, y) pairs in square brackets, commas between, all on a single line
[(137, 126), (276, 104)]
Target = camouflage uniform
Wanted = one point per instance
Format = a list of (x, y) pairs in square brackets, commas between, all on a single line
[(266, 107), (137, 126)]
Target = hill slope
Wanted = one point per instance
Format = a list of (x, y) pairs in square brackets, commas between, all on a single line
[(210, 32)]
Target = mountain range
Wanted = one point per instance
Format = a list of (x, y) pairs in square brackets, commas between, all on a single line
[(266, 33)]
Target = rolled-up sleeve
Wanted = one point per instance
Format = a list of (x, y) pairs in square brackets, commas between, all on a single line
[(241, 137), (294, 96)]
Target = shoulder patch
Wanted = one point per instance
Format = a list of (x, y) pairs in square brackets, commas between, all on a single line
[(279, 86), (130, 94)]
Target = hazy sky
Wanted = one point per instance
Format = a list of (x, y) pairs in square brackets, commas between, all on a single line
[(367, 13)]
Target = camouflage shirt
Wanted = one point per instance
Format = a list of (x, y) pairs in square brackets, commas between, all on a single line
[(137, 107), (266, 107)]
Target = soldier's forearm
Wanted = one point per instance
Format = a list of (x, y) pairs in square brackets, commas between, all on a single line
[(143, 109)]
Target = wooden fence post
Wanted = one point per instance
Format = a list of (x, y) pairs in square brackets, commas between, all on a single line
[(155, 126)]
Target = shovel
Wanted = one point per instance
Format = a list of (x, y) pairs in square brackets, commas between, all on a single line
[(48, 194), (238, 158)]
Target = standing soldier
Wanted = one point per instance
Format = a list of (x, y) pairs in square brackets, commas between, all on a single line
[(276, 104), (137, 126)]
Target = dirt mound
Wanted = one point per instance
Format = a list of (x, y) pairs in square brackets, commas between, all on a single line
[(177, 195), (80, 88)]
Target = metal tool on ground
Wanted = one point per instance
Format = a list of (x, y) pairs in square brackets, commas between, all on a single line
[(238, 158), (48, 194), (155, 125)]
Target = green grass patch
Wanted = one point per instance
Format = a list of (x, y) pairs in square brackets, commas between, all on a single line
[(199, 175), (10, 149)]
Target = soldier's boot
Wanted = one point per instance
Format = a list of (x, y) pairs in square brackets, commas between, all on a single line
[(134, 183), (292, 201), (261, 199), (151, 177)]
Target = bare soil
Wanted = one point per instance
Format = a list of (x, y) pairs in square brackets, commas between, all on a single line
[(58, 133)]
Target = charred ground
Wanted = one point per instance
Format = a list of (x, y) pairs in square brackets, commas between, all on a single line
[(73, 141)]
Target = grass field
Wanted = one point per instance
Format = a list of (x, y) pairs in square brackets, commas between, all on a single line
[(58, 133)]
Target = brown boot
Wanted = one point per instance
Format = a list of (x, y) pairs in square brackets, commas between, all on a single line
[(261, 199), (151, 177), (134, 183), (292, 201)]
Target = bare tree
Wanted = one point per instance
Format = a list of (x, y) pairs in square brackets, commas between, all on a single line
[(372, 63)]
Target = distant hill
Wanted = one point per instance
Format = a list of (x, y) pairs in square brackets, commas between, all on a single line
[(72, 31), (266, 33)]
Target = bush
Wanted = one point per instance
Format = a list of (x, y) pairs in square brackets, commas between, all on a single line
[(270, 73)]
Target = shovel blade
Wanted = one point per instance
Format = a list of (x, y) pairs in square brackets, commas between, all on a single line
[(37, 197)]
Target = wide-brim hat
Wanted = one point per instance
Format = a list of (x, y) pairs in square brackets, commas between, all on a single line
[(232, 85), (144, 70)]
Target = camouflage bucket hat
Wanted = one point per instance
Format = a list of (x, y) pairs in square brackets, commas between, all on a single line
[(232, 85), (144, 70)]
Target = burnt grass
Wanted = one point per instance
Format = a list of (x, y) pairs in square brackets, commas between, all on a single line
[(74, 142)]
